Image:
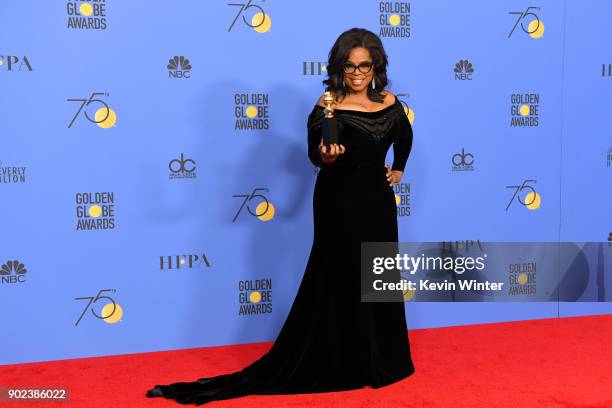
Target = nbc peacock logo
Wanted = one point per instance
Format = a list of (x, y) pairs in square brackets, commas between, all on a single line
[(463, 70), (13, 272), (179, 67)]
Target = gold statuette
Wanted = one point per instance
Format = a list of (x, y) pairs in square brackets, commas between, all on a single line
[(328, 100), (329, 125)]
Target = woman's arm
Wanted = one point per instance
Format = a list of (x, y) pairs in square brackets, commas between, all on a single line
[(314, 136), (402, 144)]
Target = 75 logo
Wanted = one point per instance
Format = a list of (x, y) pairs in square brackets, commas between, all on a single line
[(531, 199), (260, 21), (103, 116), (264, 210), (534, 27), (111, 311)]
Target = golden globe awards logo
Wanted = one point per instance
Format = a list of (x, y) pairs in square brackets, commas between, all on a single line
[(524, 109), (12, 174), (522, 278), (95, 211), (13, 272), (251, 111), (14, 63), (255, 296), (402, 199), (86, 14), (394, 19)]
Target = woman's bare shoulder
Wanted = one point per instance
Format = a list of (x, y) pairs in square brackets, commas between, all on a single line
[(389, 97)]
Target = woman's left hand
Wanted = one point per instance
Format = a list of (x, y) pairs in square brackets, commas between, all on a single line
[(393, 176)]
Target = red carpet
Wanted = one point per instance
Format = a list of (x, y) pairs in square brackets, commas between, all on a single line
[(563, 362)]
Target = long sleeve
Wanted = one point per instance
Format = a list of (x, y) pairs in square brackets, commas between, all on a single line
[(402, 143), (314, 136)]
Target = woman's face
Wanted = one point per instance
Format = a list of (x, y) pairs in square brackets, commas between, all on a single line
[(358, 81)]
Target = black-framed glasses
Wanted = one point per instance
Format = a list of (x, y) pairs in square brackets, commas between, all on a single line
[(364, 67)]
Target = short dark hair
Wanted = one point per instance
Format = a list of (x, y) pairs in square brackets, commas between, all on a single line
[(338, 55)]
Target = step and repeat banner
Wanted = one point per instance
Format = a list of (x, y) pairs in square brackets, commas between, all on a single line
[(155, 191)]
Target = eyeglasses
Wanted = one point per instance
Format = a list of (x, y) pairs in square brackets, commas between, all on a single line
[(364, 67)]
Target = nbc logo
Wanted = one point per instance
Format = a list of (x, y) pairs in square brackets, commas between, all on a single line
[(179, 67), (463, 70), (13, 272)]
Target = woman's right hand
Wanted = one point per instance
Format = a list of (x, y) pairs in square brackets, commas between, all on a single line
[(330, 155)]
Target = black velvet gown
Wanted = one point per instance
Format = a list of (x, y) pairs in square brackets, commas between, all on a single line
[(330, 340)]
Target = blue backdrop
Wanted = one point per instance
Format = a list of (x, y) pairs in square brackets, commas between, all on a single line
[(155, 188)]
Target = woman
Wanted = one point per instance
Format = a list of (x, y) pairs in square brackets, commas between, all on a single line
[(332, 341)]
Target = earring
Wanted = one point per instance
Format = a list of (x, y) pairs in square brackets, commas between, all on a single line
[(373, 84)]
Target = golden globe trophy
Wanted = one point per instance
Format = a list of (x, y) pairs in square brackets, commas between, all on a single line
[(329, 127)]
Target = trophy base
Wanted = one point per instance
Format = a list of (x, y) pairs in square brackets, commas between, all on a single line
[(329, 129)]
